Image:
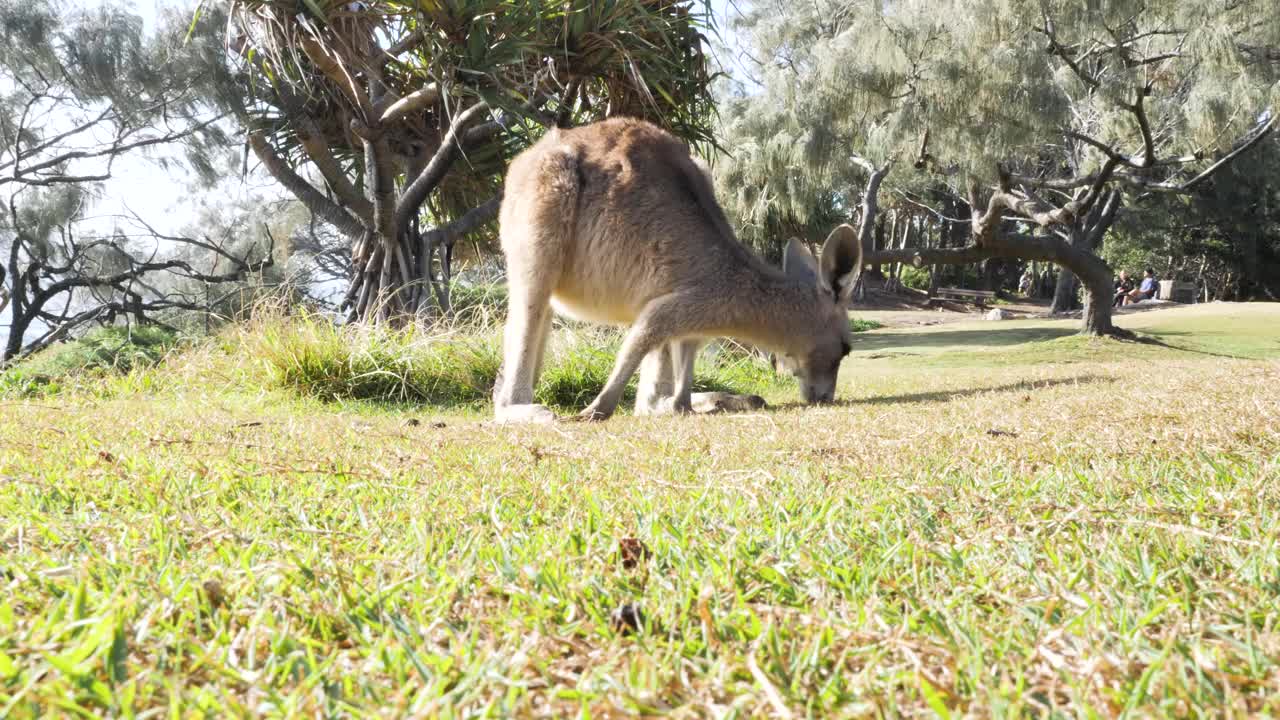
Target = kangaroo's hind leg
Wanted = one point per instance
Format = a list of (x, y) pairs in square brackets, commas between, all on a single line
[(653, 397), (685, 354), (536, 224), (524, 340), (523, 343)]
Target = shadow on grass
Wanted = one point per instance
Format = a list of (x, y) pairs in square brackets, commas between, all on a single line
[(979, 338), (1157, 337), (940, 396)]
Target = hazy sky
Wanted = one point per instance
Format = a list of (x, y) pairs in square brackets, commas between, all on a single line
[(137, 182)]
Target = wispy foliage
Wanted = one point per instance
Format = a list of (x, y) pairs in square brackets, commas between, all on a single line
[(996, 82)]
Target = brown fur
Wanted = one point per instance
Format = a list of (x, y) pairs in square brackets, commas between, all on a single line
[(617, 223)]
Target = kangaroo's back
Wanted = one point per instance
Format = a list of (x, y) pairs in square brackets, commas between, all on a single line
[(618, 213)]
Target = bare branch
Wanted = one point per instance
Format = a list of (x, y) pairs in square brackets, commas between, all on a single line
[(24, 154), (1062, 52), (1144, 126), (413, 102), (1243, 147), (345, 222), (416, 192), (23, 175), (470, 220), (1106, 149)]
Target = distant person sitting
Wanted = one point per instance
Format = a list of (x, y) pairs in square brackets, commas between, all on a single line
[(1146, 290), (1124, 286)]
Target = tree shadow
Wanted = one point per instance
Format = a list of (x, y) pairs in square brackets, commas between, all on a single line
[(938, 396), (1156, 338), (976, 338)]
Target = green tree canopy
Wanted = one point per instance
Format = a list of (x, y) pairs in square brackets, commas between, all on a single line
[(1045, 111)]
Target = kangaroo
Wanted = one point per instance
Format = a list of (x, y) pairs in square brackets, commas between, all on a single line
[(617, 223)]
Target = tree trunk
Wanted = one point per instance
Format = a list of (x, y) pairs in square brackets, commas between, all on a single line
[(1064, 295), (1097, 307), (1094, 272), (868, 222), (892, 234), (393, 262), (13, 343), (989, 275)]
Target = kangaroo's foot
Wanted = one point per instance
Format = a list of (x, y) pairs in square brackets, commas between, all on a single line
[(595, 412), (523, 414), (716, 402), (591, 415)]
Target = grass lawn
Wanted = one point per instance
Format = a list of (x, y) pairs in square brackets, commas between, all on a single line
[(997, 519)]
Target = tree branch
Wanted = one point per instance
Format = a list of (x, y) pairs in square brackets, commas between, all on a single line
[(470, 220), (426, 181), (413, 102), (316, 202), (1241, 149), (20, 174), (1144, 126), (1056, 48), (333, 69)]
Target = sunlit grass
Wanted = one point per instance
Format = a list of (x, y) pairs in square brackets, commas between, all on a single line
[(1048, 525)]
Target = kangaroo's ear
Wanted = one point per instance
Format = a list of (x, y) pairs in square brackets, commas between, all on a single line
[(799, 263), (841, 262)]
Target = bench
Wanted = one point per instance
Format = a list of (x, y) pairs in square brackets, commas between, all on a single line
[(977, 297)]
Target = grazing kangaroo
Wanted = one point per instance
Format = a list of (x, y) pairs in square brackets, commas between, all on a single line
[(616, 223)]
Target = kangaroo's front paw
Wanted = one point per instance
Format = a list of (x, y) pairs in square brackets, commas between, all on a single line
[(593, 414)]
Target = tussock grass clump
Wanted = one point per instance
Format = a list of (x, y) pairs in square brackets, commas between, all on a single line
[(458, 364), (480, 304), (100, 352), (579, 366), (861, 325), (316, 357)]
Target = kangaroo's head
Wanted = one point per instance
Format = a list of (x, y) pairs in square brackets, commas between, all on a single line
[(820, 343)]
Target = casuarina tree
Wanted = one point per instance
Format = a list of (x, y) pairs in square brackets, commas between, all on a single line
[(1044, 116), (79, 90)]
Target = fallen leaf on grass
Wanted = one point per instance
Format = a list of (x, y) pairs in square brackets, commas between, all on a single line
[(214, 593), (626, 619), (632, 552)]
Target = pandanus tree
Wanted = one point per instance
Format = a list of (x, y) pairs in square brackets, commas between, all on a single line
[(1043, 117), (393, 121)]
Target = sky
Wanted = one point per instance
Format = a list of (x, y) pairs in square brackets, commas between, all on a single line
[(138, 184)]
